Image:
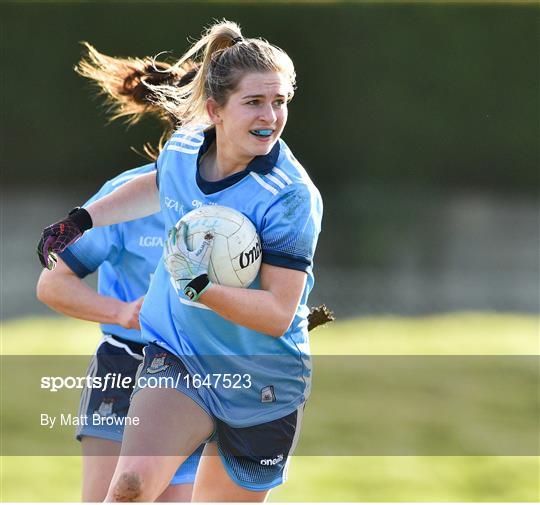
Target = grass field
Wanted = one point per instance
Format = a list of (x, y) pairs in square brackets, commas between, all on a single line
[(323, 478)]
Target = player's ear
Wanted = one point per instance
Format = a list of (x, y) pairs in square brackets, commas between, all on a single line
[(213, 109)]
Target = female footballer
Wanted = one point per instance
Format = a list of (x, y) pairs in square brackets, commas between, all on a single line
[(228, 152), (125, 256)]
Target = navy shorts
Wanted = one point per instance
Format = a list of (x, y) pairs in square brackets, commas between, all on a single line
[(255, 457), (102, 409)]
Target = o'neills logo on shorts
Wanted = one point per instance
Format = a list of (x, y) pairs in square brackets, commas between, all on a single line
[(249, 257), (272, 462)]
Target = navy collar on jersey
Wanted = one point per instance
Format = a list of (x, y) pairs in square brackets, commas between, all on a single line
[(260, 164)]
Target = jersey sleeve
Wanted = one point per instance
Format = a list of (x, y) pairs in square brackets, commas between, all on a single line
[(92, 249), (96, 246), (291, 227)]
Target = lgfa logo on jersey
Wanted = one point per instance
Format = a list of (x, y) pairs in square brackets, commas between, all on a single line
[(150, 241), (173, 204), (272, 462)]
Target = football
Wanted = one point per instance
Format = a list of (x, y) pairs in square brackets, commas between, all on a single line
[(236, 253)]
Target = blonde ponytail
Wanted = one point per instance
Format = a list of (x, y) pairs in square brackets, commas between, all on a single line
[(224, 57)]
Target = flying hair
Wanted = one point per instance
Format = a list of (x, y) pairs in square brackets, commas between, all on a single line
[(125, 84)]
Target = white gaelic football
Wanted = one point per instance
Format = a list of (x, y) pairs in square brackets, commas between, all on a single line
[(236, 253)]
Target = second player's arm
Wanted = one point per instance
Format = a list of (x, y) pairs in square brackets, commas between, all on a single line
[(134, 199), (269, 310), (66, 293)]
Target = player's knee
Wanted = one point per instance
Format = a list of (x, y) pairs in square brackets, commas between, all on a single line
[(128, 487)]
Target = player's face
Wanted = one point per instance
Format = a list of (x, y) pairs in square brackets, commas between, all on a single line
[(251, 121)]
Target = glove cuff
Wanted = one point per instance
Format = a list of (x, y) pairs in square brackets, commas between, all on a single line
[(197, 287), (81, 217)]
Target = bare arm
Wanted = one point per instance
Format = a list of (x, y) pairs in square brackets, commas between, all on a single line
[(269, 310), (134, 199), (66, 293)]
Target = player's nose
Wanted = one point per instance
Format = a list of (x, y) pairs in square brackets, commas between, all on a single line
[(268, 114)]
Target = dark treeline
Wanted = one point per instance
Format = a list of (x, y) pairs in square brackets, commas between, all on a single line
[(429, 95)]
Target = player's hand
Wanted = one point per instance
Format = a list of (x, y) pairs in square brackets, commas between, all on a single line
[(182, 264), (129, 314), (56, 237)]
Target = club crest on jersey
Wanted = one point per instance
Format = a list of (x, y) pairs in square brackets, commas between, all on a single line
[(158, 364), (268, 395), (106, 408)]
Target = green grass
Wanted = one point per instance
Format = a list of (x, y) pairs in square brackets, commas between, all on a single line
[(411, 479), (48, 335), (329, 478), (450, 334), (463, 479)]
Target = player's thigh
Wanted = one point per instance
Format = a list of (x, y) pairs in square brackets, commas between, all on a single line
[(176, 493), (181, 486), (213, 483), (99, 461), (166, 427)]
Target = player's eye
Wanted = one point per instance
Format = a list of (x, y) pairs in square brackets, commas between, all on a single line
[(253, 102), (279, 102)]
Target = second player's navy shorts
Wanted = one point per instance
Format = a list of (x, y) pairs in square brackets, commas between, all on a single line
[(122, 357)]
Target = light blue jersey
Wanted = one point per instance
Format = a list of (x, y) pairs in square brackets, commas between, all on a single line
[(277, 195), (124, 254)]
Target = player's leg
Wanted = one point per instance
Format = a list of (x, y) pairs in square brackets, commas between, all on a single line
[(98, 463), (98, 471), (181, 486), (244, 464), (171, 426), (180, 493), (100, 442), (213, 483)]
